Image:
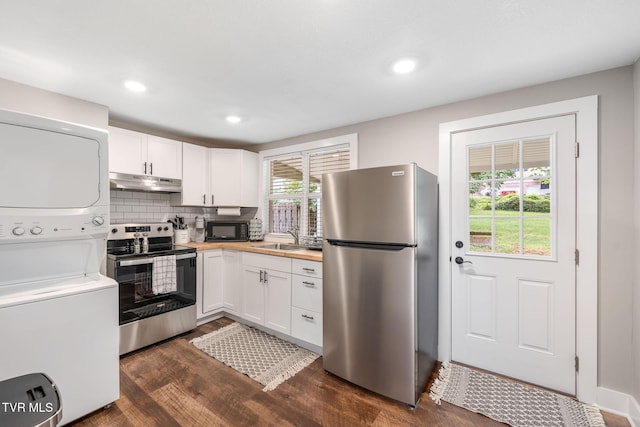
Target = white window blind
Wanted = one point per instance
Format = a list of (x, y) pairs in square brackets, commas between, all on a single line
[(293, 188)]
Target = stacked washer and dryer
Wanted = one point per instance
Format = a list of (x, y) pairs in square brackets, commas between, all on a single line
[(58, 314)]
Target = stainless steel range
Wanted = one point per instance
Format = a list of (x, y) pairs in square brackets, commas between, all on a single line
[(157, 283)]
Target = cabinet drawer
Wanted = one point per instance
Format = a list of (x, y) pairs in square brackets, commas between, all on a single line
[(267, 262), (308, 268), (306, 325), (307, 292)]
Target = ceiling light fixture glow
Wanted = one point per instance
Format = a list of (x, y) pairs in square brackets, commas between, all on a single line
[(135, 86), (404, 66), (233, 119)]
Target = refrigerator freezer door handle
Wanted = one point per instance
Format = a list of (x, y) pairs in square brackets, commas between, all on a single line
[(368, 245)]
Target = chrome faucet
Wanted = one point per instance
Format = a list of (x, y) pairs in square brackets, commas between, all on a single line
[(296, 235)]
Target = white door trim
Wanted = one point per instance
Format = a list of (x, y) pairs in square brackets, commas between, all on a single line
[(586, 111)]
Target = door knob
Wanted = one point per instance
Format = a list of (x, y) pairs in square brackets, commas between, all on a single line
[(459, 260)]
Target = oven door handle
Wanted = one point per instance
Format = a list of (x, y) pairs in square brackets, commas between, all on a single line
[(149, 260), (131, 262)]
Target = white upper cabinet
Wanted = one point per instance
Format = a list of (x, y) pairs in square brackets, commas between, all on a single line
[(164, 157), (127, 151), (234, 177), (195, 177), (140, 154)]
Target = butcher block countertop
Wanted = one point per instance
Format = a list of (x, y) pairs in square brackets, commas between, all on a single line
[(249, 247)]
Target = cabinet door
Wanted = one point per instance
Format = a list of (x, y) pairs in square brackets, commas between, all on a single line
[(234, 177), (278, 301), (252, 294), (127, 151), (212, 281), (164, 157), (249, 190), (232, 282), (226, 172), (195, 175)]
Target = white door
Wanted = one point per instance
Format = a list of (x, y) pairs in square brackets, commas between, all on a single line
[(513, 250)]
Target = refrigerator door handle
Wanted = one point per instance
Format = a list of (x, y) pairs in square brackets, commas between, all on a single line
[(367, 245)]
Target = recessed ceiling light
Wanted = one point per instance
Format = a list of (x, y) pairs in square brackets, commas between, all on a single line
[(404, 66), (135, 86), (234, 119)]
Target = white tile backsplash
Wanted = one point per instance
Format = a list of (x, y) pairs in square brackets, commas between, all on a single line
[(142, 207), (137, 206)]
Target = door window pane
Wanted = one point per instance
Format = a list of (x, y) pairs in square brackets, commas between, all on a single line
[(480, 165), (507, 158), (480, 205), (507, 235), (536, 232), (480, 235)]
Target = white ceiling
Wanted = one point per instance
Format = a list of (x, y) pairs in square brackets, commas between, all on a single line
[(291, 67)]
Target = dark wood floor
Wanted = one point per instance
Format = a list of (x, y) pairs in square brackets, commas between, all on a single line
[(174, 384)]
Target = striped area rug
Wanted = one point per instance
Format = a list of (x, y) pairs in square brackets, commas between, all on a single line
[(510, 402), (262, 357)]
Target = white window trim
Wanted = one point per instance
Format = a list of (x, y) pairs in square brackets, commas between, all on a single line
[(587, 193), (350, 140)]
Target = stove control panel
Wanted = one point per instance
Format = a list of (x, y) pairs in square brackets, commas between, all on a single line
[(130, 231), (16, 229)]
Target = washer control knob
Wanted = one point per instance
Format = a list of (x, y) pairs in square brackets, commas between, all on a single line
[(18, 231), (97, 220), (35, 230)]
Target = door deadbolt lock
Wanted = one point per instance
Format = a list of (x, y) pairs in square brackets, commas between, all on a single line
[(459, 244)]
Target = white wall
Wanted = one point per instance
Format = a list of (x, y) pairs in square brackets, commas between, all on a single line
[(636, 281), (31, 100), (413, 137)]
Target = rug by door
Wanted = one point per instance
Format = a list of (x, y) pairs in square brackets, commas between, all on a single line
[(508, 401), (262, 357)]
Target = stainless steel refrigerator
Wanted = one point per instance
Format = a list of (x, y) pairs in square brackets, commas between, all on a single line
[(380, 298)]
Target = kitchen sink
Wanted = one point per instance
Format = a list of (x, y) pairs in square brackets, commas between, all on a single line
[(279, 246)]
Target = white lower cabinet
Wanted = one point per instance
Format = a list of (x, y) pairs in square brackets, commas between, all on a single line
[(279, 293), (231, 282), (212, 281), (306, 301), (266, 286)]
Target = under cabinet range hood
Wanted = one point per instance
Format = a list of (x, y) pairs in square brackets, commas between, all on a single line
[(123, 181)]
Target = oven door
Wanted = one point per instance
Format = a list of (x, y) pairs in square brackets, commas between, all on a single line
[(137, 297)]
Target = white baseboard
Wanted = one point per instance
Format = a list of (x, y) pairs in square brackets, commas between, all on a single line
[(620, 404)]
